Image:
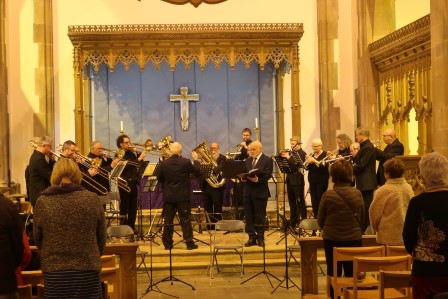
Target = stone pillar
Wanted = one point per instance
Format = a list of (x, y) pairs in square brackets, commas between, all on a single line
[(4, 117), (371, 29), (439, 66), (327, 24), (44, 74)]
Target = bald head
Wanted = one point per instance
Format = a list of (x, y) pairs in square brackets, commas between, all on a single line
[(176, 148), (389, 135), (254, 148)]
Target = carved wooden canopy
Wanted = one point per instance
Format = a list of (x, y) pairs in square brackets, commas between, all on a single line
[(185, 43)]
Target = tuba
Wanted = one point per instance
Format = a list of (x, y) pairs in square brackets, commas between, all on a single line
[(214, 180)]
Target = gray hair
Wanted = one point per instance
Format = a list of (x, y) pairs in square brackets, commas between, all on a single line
[(44, 140), (434, 169), (363, 131)]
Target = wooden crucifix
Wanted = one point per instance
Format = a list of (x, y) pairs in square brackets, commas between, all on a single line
[(184, 98)]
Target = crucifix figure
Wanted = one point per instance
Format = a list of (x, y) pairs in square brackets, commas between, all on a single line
[(184, 98)]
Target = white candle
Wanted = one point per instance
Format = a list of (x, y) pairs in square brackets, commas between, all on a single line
[(256, 122), (121, 125)]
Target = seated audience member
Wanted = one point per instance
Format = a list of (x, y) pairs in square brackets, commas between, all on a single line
[(70, 230), (11, 247), (390, 203), (341, 213), (426, 229)]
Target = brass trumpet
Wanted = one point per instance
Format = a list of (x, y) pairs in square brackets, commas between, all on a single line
[(120, 154), (348, 158)]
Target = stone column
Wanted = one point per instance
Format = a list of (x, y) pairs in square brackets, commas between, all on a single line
[(371, 29), (439, 65), (44, 74), (328, 35), (4, 117)]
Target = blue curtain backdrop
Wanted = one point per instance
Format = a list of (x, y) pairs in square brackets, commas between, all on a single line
[(228, 102)]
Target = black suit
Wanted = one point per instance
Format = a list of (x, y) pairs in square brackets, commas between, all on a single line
[(364, 165), (214, 197), (39, 175), (128, 200), (255, 197), (174, 175), (396, 148), (318, 178), (295, 184), (243, 155)]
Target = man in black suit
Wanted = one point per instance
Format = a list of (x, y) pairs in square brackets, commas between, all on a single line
[(214, 196), (256, 193), (128, 200), (243, 146), (104, 163), (39, 168), (295, 181), (174, 175), (364, 164), (393, 148)]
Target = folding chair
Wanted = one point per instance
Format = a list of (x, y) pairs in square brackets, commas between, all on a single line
[(345, 254), (228, 241), (373, 265), (120, 232)]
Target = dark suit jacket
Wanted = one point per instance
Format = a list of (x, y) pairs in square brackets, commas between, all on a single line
[(39, 174), (364, 167), (130, 172), (174, 174), (396, 148), (244, 155), (296, 178), (259, 189)]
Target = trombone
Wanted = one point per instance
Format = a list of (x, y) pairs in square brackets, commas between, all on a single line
[(85, 178), (120, 154)]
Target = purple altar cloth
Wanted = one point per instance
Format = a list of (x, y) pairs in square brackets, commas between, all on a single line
[(154, 199)]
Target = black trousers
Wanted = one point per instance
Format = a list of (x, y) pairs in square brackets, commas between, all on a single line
[(367, 196), (347, 266), (169, 212), (255, 211), (297, 205), (213, 199), (316, 191), (128, 204)]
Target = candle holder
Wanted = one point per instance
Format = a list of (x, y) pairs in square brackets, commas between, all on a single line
[(257, 131), (121, 132)]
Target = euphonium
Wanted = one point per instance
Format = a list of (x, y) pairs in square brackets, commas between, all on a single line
[(163, 145), (214, 179)]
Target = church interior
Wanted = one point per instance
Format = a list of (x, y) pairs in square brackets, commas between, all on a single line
[(203, 70)]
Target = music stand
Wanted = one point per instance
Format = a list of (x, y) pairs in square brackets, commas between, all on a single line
[(150, 172), (283, 166), (230, 170), (115, 175), (287, 279)]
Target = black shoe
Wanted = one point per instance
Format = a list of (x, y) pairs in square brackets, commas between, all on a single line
[(250, 243), (168, 247), (192, 246), (261, 243)]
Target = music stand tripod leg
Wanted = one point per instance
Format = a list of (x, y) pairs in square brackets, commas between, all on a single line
[(268, 274)]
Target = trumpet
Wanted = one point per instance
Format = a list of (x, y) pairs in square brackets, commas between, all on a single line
[(325, 159), (348, 158)]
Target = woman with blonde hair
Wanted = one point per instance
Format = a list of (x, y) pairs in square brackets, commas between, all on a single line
[(70, 230)]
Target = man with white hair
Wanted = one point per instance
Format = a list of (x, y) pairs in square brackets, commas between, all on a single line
[(393, 148), (256, 193), (39, 168), (174, 175)]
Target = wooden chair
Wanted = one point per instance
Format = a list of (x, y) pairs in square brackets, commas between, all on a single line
[(110, 276), (397, 280), (373, 265), (395, 250), (347, 254), (25, 291), (33, 277)]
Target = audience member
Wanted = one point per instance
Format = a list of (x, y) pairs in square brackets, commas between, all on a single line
[(341, 212), (425, 229), (390, 203), (70, 230), (11, 249)]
